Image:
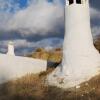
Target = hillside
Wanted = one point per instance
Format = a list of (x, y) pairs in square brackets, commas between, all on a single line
[(33, 87)]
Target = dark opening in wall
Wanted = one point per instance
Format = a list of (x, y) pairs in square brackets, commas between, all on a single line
[(78, 1), (71, 2)]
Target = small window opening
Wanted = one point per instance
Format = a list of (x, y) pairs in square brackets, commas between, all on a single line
[(71, 2), (78, 1)]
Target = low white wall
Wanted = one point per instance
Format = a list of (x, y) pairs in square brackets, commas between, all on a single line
[(12, 67)]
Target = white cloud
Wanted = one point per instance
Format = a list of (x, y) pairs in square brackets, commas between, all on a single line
[(6, 9), (25, 45), (8, 5), (96, 31), (94, 13), (40, 18)]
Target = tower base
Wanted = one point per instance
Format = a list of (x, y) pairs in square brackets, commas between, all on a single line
[(74, 77), (58, 79)]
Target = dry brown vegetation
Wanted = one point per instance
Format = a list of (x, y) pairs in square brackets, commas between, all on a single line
[(33, 87), (53, 55), (97, 43)]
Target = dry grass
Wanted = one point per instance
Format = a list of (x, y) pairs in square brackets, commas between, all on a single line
[(32, 87)]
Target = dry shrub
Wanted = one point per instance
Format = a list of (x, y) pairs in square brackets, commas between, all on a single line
[(32, 87)]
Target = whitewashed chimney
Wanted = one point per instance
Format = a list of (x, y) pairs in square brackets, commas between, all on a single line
[(11, 49)]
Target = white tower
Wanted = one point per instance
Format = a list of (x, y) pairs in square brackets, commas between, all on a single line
[(10, 49), (81, 61)]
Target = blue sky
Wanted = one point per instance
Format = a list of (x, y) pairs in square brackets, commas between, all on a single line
[(23, 3), (28, 22)]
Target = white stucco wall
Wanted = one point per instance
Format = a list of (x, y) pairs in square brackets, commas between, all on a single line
[(12, 67)]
